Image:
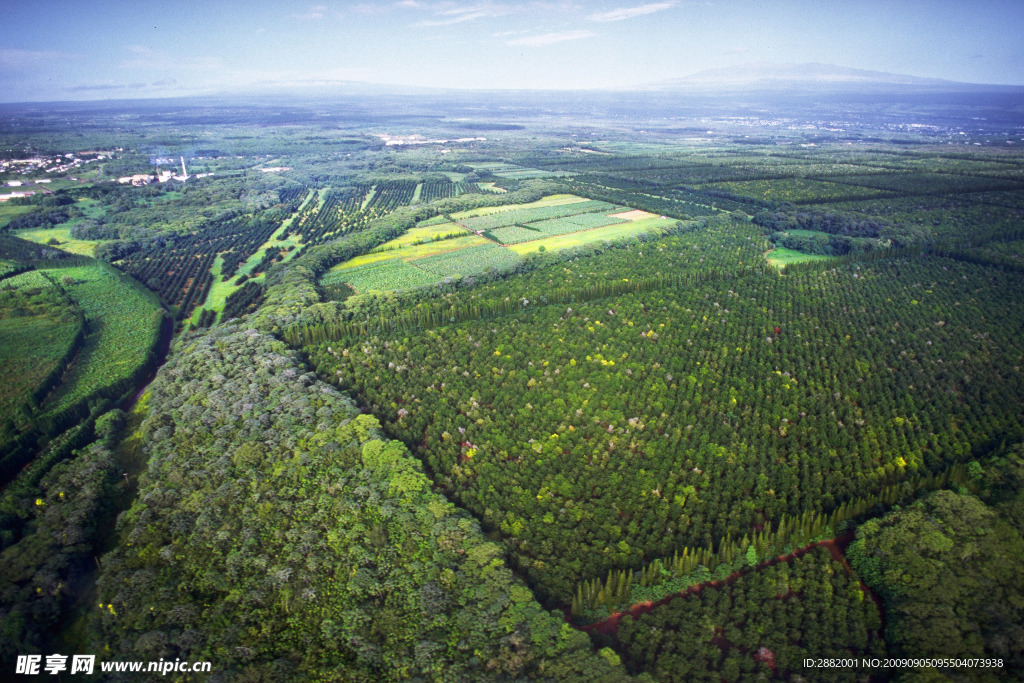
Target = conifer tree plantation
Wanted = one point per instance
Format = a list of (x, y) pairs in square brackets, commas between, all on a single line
[(453, 388)]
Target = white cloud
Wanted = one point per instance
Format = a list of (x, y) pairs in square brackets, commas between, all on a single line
[(448, 13), (550, 38), (314, 12), (630, 12), (456, 18), (15, 58)]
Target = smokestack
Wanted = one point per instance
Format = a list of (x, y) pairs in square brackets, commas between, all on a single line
[(184, 173)]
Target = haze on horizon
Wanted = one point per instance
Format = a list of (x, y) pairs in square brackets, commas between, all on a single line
[(51, 50)]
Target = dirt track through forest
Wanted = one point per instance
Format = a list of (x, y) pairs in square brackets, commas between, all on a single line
[(836, 547)]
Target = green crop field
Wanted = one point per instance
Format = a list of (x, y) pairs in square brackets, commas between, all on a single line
[(63, 236), (389, 275), (124, 322), (38, 329), (419, 258), (521, 216), (608, 233), (552, 227), (468, 261), (515, 234), (412, 251), (550, 200), (9, 211), (575, 223), (422, 233), (782, 257), (528, 173)]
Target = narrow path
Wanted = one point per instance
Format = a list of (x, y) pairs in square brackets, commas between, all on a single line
[(610, 625)]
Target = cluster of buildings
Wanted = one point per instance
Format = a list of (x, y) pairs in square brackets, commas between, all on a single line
[(60, 163), (63, 163), (21, 193), (162, 177)]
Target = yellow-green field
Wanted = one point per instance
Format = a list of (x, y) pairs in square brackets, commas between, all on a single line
[(409, 252), (551, 200), (63, 235), (423, 234), (605, 234), (402, 263)]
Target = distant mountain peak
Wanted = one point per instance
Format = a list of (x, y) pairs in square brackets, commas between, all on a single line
[(811, 74)]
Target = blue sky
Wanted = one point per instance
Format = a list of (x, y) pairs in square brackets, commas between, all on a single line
[(73, 50)]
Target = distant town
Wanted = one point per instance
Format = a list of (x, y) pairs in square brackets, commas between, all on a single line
[(64, 164)]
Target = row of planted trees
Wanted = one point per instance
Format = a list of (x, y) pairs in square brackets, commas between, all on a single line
[(598, 434), (596, 599)]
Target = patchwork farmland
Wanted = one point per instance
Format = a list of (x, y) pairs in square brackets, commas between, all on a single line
[(488, 238)]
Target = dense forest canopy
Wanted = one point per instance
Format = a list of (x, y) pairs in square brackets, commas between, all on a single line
[(351, 398)]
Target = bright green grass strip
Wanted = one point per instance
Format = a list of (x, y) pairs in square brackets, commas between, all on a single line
[(124, 321), (274, 242), (222, 289), (782, 257), (219, 291), (369, 197), (416, 193)]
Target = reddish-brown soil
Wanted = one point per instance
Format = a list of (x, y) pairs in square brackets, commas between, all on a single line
[(610, 626)]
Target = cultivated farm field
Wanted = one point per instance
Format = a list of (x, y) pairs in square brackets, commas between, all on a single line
[(487, 238)]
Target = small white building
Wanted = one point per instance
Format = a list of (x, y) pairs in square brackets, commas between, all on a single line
[(15, 195), (138, 179)]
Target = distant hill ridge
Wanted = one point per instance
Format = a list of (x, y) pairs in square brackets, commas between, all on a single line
[(808, 75)]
